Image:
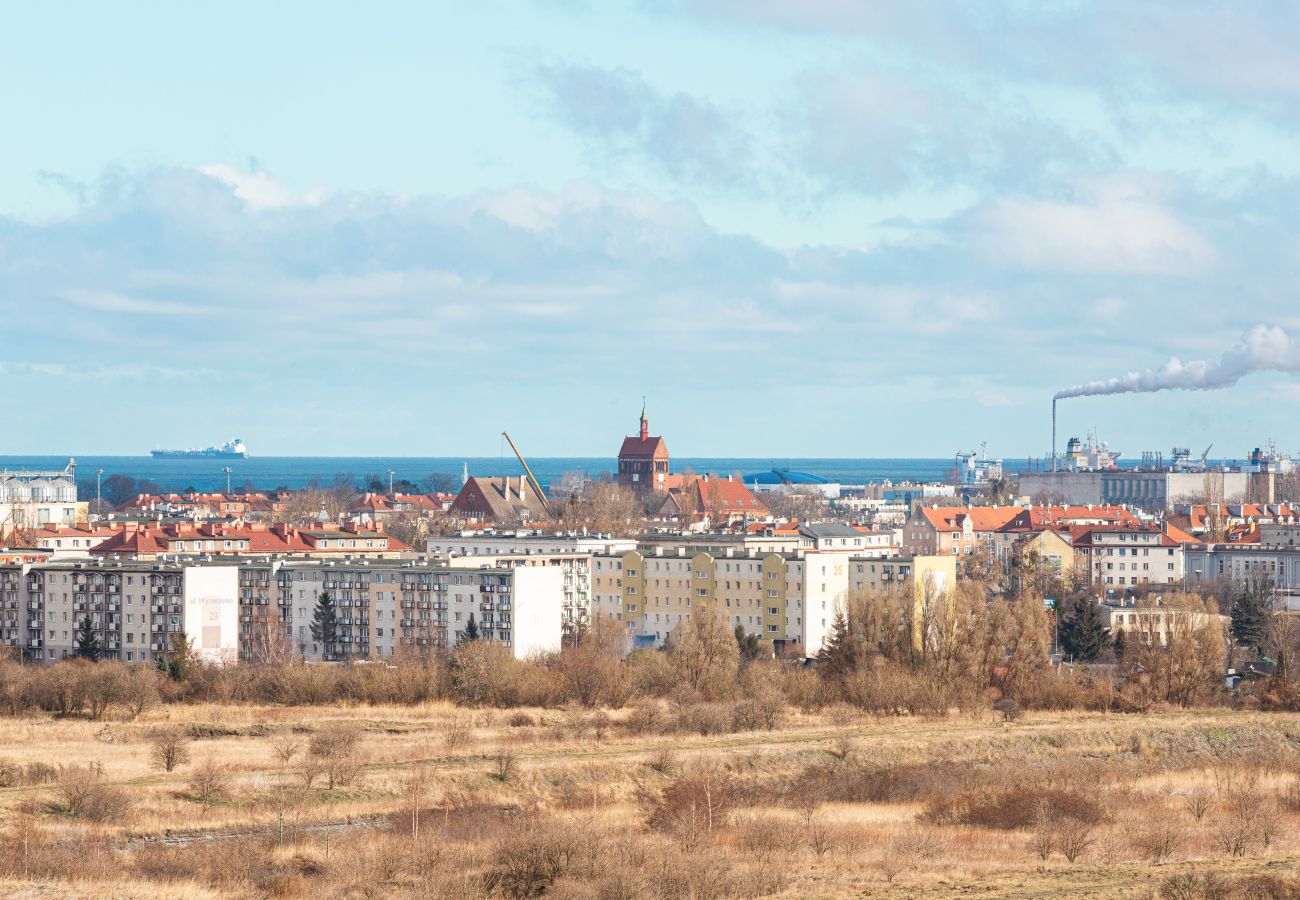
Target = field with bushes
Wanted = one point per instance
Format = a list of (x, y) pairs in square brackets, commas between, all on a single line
[(960, 765), (434, 800)]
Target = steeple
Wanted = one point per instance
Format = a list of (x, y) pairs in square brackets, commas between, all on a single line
[(645, 423)]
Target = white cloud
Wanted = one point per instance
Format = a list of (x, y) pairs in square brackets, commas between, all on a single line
[(1115, 232), (113, 302), (259, 190)]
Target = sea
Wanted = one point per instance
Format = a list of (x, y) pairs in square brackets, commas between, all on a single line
[(269, 472)]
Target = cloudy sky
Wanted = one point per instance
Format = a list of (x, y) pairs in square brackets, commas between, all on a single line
[(814, 228)]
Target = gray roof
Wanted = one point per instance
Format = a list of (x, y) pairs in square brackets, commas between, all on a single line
[(819, 530)]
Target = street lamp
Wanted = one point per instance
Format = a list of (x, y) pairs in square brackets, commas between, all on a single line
[(390, 483), (227, 470)]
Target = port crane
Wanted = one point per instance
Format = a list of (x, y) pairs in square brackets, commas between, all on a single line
[(541, 495)]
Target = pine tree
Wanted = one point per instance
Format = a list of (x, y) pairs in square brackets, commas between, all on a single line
[(179, 658), (1121, 644), (87, 646), (1083, 634), (839, 655), (1250, 610), (325, 624), (751, 645), (470, 633)]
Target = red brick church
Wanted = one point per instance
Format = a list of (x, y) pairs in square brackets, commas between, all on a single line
[(643, 461)]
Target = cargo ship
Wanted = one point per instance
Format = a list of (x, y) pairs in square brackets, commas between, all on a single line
[(229, 450)]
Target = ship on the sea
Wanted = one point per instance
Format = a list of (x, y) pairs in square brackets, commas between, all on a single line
[(229, 450)]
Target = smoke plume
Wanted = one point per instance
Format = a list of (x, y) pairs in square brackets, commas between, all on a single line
[(1264, 348)]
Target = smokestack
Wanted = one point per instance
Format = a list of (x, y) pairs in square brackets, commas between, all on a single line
[(1053, 434)]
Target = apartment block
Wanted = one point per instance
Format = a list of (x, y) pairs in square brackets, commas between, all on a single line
[(30, 499), (785, 599), (134, 609), (570, 553), (387, 608), (1117, 556)]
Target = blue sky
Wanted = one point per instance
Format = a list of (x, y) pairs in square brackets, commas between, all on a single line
[(823, 228)]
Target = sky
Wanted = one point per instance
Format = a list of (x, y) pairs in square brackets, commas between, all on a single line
[(814, 228)]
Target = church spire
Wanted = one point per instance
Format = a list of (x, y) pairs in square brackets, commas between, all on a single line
[(645, 423)]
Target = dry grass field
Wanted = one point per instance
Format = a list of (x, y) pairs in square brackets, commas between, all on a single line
[(441, 801)]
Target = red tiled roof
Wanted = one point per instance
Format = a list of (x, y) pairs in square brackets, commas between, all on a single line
[(726, 495), (635, 448), (259, 539), (983, 518)]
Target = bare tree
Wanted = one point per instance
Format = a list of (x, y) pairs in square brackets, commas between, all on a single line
[(336, 748), (210, 782), (170, 748), (601, 506)]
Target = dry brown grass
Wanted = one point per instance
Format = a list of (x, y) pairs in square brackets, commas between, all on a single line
[(626, 810)]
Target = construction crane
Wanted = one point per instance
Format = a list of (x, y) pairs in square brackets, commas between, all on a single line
[(541, 495), (1206, 454)]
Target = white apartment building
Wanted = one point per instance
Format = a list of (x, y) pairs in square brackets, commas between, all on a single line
[(29, 499), (785, 599), (387, 608), (570, 553), (1129, 557), (1236, 563), (134, 609)]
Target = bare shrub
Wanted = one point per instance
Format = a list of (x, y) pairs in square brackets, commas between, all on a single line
[(139, 690), (646, 717), (693, 808), (843, 746), (706, 719), (1159, 841), (520, 720), (1013, 808), (168, 749), (763, 837), (892, 862), (664, 760), (285, 747), (1008, 708), (1042, 838), (762, 713), (210, 783), (527, 860), (85, 795), (1191, 886), (505, 764), (1198, 801), (1238, 790), (456, 733), (1238, 834), (1289, 796), (337, 749), (1073, 838)]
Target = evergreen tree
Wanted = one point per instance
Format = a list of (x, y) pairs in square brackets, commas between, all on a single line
[(1250, 612), (1121, 645), (325, 624), (840, 653), (87, 646), (470, 633), (1083, 634), (179, 658), (751, 645)]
